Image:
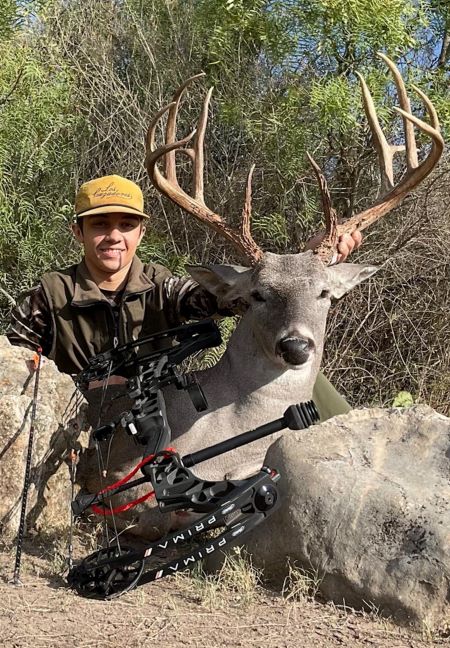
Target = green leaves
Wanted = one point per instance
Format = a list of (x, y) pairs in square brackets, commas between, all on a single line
[(271, 228), (234, 28), (8, 16), (37, 127), (347, 30), (336, 104), (403, 399)]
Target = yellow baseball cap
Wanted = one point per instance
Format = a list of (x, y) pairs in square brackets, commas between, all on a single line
[(108, 195)]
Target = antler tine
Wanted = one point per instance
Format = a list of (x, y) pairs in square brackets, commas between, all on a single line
[(153, 154), (171, 127), (150, 137), (330, 239), (429, 106), (410, 140), (198, 184), (384, 150), (168, 183), (415, 173), (247, 209)]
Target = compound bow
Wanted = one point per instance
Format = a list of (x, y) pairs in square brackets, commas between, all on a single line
[(235, 507)]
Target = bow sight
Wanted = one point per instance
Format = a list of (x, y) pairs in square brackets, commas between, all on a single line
[(235, 506)]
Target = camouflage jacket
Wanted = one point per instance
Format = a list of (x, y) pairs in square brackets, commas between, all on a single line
[(71, 319)]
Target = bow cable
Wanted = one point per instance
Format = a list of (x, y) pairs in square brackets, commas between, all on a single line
[(102, 468)]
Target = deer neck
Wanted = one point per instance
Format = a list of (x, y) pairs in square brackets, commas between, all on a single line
[(253, 372)]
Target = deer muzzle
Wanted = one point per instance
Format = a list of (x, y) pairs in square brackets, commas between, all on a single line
[(295, 350)]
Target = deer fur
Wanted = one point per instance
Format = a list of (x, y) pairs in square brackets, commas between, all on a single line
[(253, 383)]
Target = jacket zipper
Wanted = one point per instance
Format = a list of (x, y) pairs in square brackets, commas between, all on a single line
[(115, 325)]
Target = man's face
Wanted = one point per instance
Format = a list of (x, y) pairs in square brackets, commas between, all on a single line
[(110, 240)]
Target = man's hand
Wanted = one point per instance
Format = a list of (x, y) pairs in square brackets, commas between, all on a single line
[(346, 244)]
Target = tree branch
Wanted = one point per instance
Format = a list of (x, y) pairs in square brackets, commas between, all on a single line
[(8, 296), (445, 48), (6, 97)]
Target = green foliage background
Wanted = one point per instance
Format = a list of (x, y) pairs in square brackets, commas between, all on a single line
[(80, 79)]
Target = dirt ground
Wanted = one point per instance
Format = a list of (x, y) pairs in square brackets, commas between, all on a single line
[(178, 611)]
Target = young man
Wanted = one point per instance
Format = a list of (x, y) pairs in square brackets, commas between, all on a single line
[(111, 297)]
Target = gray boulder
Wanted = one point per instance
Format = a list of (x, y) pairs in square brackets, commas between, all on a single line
[(60, 424), (366, 505)]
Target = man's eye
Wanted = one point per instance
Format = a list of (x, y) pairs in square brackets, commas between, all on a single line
[(325, 294), (256, 295)]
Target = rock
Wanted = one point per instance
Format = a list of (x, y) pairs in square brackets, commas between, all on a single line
[(60, 423), (366, 505)]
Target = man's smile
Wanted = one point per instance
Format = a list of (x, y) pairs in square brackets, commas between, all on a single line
[(111, 252)]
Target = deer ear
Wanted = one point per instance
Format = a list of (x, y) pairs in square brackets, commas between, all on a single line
[(345, 276), (226, 282)]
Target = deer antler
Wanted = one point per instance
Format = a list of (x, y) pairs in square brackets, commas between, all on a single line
[(168, 184), (393, 194)]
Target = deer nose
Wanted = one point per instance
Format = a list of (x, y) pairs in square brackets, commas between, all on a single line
[(295, 350)]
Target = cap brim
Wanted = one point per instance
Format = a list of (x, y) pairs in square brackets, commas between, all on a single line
[(112, 209)]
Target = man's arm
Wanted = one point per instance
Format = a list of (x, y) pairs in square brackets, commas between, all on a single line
[(31, 322), (186, 300)]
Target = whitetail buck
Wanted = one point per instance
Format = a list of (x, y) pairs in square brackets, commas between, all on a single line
[(274, 355)]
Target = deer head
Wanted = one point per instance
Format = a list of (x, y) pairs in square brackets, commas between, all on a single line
[(286, 298)]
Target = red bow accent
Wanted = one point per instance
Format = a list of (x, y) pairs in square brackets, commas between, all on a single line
[(102, 510)]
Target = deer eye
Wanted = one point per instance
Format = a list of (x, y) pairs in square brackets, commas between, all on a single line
[(256, 295), (325, 294)]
